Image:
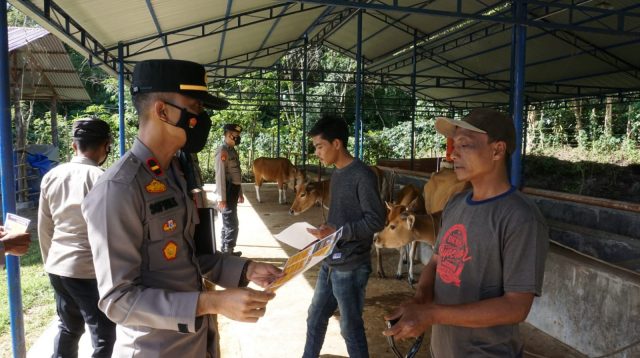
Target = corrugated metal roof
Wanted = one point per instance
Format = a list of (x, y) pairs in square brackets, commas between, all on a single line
[(40, 65), (230, 34)]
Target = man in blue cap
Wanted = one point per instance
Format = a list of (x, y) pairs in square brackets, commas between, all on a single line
[(141, 221)]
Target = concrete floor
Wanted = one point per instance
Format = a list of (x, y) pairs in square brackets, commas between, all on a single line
[(281, 333)]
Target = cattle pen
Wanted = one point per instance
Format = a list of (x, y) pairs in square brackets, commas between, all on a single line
[(447, 57)]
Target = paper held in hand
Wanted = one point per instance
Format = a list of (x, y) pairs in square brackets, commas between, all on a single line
[(297, 236), (15, 224)]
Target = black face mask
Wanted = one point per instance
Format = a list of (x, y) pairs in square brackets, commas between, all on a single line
[(195, 126), (236, 139)]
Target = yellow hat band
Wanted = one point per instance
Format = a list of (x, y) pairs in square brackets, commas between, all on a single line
[(193, 88)]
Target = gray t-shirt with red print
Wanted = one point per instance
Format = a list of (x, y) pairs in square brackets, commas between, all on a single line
[(486, 248)]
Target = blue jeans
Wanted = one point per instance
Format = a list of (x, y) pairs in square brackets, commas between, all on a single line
[(344, 290)]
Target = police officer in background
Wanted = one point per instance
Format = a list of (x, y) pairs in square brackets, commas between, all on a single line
[(228, 188), (141, 223), (64, 244)]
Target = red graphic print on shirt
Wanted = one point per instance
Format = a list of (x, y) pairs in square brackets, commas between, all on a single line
[(452, 252)]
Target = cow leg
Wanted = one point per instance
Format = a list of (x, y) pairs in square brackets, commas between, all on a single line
[(401, 260), (258, 193), (412, 252), (379, 268), (257, 185)]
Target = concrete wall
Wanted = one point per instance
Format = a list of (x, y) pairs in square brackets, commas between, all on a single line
[(589, 305)]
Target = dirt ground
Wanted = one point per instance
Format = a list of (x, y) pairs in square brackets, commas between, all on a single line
[(281, 332)]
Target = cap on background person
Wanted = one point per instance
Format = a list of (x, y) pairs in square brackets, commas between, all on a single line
[(90, 128), (232, 127), (184, 77), (497, 125)]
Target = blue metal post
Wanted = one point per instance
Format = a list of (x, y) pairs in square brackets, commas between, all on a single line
[(304, 103), (517, 105), (8, 182), (413, 98), (279, 111), (358, 108), (121, 98)]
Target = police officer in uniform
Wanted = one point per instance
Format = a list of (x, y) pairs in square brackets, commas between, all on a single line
[(228, 188), (66, 253), (141, 223)]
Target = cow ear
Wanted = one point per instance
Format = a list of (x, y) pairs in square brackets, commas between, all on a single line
[(388, 205), (413, 205), (411, 219)]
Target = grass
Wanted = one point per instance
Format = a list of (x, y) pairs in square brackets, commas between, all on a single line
[(37, 300)]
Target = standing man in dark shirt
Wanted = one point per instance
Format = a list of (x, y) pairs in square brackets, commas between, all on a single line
[(228, 186), (489, 257), (356, 207)]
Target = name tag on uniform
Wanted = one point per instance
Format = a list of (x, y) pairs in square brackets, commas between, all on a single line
[(162, 205), (337, 255)]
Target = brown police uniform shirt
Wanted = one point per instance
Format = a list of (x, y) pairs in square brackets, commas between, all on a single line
[(141, 224)]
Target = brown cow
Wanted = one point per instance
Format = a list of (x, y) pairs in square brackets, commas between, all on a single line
[(408, 228), (409, 198), (440, 188), (310, 193), (280, 170)]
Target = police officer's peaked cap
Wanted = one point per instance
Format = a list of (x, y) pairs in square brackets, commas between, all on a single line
[(90, 128), (232, 127), (184, 77)]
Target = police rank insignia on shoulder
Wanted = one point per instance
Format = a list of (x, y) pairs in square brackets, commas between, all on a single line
[(156, 186), (153, 165), (170, 251), (169, 226)]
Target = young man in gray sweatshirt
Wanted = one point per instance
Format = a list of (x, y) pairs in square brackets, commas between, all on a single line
[(356, 207)]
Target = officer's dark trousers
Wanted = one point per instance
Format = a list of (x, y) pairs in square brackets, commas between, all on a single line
[(77, 303), (230, 218)]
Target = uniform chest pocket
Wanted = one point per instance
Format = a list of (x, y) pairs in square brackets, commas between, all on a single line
[(165, 245)]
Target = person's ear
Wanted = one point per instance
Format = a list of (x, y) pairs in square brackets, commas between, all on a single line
[(337, 144), (499, 149), (160, 110)]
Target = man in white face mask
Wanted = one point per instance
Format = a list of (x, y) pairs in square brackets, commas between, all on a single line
[(64, 243)]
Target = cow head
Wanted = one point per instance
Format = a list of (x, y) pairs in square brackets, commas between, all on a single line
[(307, 194), (398, 231)]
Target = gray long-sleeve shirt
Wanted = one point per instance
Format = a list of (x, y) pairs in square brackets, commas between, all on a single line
[(356, 206)]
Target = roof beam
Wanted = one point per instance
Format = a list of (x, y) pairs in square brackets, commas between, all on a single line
[(212, 27), (273, 27), (152, 12), (549, 8), (62, 25), (224, 29)]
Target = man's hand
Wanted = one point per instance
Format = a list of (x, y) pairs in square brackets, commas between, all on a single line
[(15, 244), (323, 231), (238, 304), (222, 205), (262, 274), (414, 320)]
